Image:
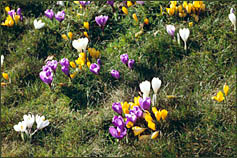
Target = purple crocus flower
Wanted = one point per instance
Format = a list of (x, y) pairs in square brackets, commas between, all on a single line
[(118, 121), (64, 62), (137, 111), (99, 62), (84, 3), (145, 103), (124, 58), (18, 12), (101, 21), (117, 107), (95, 68), (49, 13), (53, 65), (110, 3), (65, 70), (11, 13), (46, 68), (46, 77), (140, 2), (118, 133), (131, 63), (170, 29), (60, 16), (115, 74), (131, 117)]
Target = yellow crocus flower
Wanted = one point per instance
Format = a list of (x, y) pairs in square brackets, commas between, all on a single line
[(88, 64), (73, 75), (86, 34), (157, 115), (203, 6), (154, 110), (180, 8), (155, 135), (76, 2), (170, 11), (226, 89), (64, 36), (147, 116), (185, 3), (173, 3), (86, 25), (82, 55), (190, 24), (189, 8), (7, 9), (135, 17), (73, 65), (129, 3), (219, 97), (5, 76), (80, 61), (138, 130), (196, 4), (17, 18), (125, 107), (146, 21), (136, 100), (70, 35), (125, 10), (152, 125), (129, 124), (164, 114)]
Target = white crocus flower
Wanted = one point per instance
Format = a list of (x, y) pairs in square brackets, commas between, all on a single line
[(184, 34), (20, 127), (41, 122), (232, 18), (145, 87), (29, 120), (38, 24), (2, 59), (156, 83), (80, 44), (61, 3)]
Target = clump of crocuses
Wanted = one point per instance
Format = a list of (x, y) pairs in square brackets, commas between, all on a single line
[(26, 125), (131, 114), (59, 16), (115, 74), (65, 66), (125, 60)]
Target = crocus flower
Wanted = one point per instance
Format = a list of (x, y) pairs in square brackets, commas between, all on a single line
[(99, 62), (159, 114), (18, 12), (117, 107), (12, 13), (80, 44), (53, 64), (2, 59), (156, 83), (154, 135), (110, 3), (84, 3), (41, 122), (146, 21), (20, 127), (29, 120), (118, 121), (124, 58), (64, 62), (140, 2), (101, 21), (134, 16), (86, 25), (226, 89), (138, 130), (61, 3), (170, 29), (131, 117), (131, 63), (184, 34), (232, 18), (118, 133), (145, 87), (219, 97), (115, 74), (46, 77), (5, 76), (125, 10), (49, 13), (95, 68), (145, 103), (46, 68), (137, 111), (60, 16), (38, 24)]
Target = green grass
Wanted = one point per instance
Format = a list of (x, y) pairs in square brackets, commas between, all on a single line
[(80, 113)]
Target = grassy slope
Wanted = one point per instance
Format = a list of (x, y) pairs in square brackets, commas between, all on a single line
[(80, 113)]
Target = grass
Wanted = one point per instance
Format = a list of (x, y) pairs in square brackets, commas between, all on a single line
[(80, 113)]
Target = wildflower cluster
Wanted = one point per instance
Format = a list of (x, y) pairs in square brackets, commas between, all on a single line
[(4, 74), (26, 125), (184, 8), (13, 17), (219, 96), (139, 115)]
